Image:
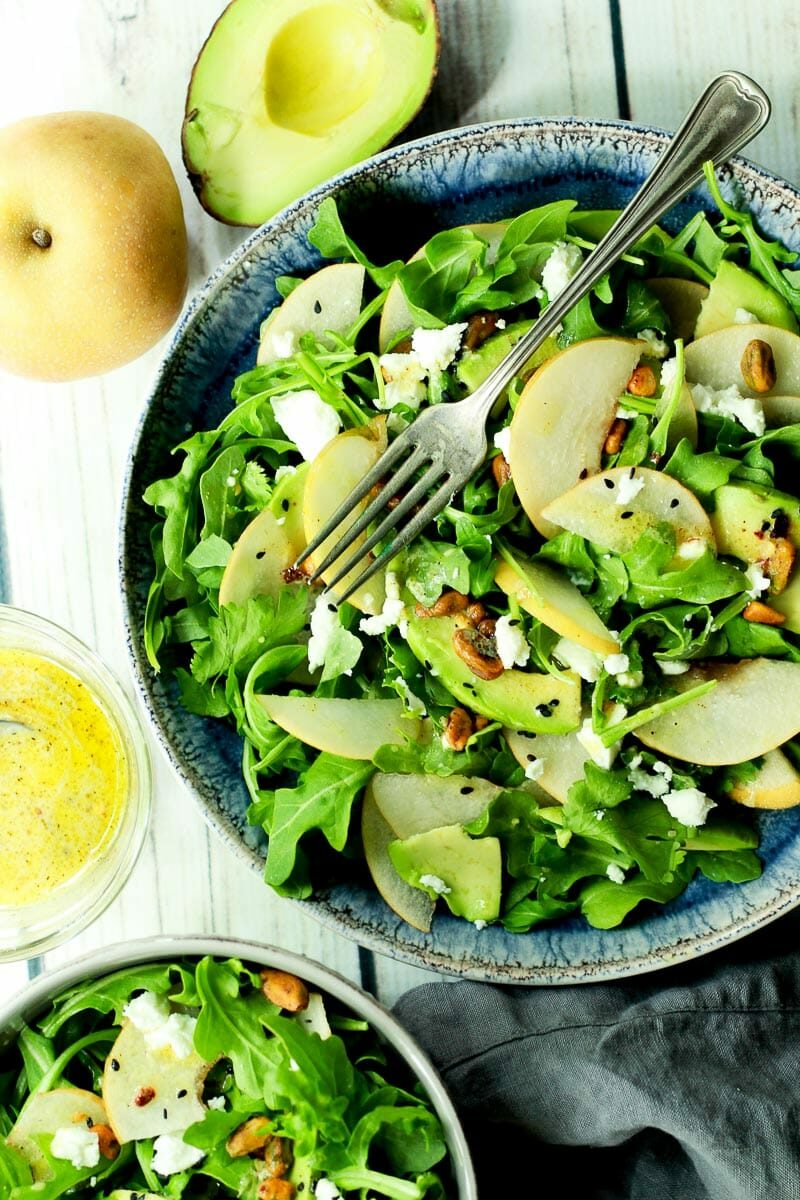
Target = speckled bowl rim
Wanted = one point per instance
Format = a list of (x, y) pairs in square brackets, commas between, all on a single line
[(31, 1001), (347, 923)]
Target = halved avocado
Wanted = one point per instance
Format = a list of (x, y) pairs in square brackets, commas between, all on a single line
[(285, 93)]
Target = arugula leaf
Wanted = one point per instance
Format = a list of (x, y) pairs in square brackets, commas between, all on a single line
[(733, 866), (328, 235), (38, 1055), (702, 581), (174, 500), (643, 309), (749, 640), (240, 634), (231, 1025), (207, 562), (109, 994), (321, 800), (606, 904), (700, 473), (433, 567)]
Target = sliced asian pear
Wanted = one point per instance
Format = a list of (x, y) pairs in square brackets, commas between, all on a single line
[(349, 728), (332, 477), (417, 803), (554, 600), (270, 543), (47, 1112), (562, 757), (525, 699), (754, 708), (562, 420), (328, 301), (593, 509), (715, 360), (413, 905), (776, 785), (150, 1091), (681, 299), (396, 316), (781, 410)]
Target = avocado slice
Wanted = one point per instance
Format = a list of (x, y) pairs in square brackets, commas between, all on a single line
[(476, 365), (524, 700), (732, 288), (127, 1194), (747, 518), (285, 94), (447, 862)]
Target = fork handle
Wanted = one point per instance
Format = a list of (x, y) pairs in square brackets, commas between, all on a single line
[(730, 112)]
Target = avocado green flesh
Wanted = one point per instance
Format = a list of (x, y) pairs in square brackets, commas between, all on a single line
[(476, 365), (126, 1194), (448, 858), (733, 288), (520, 699), (739, 515), (286, 93)]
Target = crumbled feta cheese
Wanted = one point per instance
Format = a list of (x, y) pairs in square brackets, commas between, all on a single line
[(624, 414), (615, 873), (306, 420), (631, 679), (176, 1034), (324, 623), (393, 611), (743, 316), (435, 884), (578, 658), (326, 1189), (172, 1154), (500, 323), (662, 768), (628, 487), (283, 345), (436, 348), (690, 806), (602, 755), (759, 582), (563, 263), (412, 702), (690, 549), (643, 781), (404, 378), (656, 346), (672, 666), (729, 402), (616, 664), (294, 1065), (216, 1103), (512, 645), (535, 769), (283, 472), (230, 481), (599, 814), (502, 440), (635, 762), (147, 1011), (479, 924), (77, 1144), (669, 370)]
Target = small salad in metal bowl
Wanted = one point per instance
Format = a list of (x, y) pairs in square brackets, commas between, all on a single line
[(163, 1070)]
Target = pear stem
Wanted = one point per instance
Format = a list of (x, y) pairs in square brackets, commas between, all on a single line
[(42, 238)]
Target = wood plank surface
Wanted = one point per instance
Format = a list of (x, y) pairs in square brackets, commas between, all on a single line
[(63, 447)]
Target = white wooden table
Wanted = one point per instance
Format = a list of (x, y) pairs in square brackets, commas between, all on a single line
[(63, 447)]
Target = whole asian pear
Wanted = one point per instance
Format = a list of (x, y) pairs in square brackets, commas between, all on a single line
[(93, 249)]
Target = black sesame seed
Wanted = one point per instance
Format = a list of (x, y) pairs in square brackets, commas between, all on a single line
[(514, 621), (531, 757), (765, 526), (544, 710), (261, 554), (465, 791), (166, 1116), (427, 665), (317, 307), (624, 516), (632, 472), (584, 473), (609, 483), (285, 504), (114, 1065), (674, 502), (89, 1122), (555, 703), (182, 1093)]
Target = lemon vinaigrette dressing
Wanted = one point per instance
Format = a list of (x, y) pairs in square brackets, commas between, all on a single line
[(63, 778)]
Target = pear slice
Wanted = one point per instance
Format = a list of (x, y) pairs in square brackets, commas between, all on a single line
[(396, 316), (413, 905), (418, 803), (47, 1112), (777, 784), (714, 360), (329, 300), (781, 410), (349, 728), (555, 601), (562, 755), (681, 299), (591, 510), (562, 420), (332, 477), (270, 543), (754, 708), (174, 1086)]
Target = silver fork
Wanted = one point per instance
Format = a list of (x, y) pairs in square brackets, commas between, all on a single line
[(450, 439)]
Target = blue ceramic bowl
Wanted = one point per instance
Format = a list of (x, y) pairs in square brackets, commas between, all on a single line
[(391, 204)]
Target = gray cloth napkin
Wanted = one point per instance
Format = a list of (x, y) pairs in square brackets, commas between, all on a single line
[(680, 1085)]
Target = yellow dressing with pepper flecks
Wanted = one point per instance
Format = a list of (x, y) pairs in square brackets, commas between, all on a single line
[(63, 777)]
